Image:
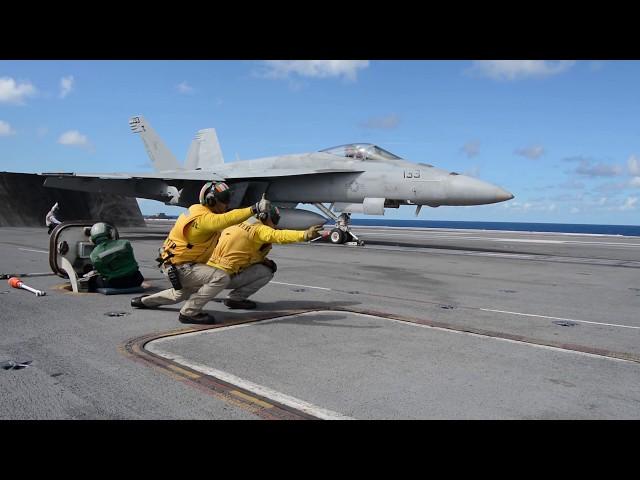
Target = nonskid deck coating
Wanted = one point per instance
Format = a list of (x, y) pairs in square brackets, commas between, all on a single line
[(182, 349), (513, 290)]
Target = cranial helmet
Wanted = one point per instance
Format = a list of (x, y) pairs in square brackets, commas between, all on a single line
[(101, 232), (273, 214), (213, 192)]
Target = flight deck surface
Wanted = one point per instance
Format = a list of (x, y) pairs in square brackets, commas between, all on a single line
[(417, 324)]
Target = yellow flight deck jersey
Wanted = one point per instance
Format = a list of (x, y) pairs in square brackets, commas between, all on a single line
[(248, 243), (195, 234)]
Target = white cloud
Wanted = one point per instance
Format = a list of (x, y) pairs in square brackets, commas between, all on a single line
[(388, 122), (629, 203), (611, 188), (599, 170), (566, 197), (589, 168), (66, 85), (575, 210), (6, 130), (185, 88), (635, 182), (538, 206), (519, 69), (634, 165), (13, 92), (314, 68), (533, 152), (471, 148), (74, 138)]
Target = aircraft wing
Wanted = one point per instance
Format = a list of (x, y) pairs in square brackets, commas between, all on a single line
[(168, 186), (164, 175), (198, 175)]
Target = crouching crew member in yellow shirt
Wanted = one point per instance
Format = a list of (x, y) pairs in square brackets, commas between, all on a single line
[(239, 263), (191, 241)]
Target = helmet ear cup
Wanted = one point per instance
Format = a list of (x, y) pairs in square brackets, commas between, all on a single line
[(210, 199), (273, 214), (213, 192), (205, 193)]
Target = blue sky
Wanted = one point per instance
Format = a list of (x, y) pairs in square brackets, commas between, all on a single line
[(562, 136)]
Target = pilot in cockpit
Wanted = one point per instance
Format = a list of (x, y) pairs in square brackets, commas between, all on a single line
[(355, 151), (350, 151)]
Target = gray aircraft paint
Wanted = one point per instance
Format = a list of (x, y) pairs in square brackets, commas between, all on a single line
[(358, 176)]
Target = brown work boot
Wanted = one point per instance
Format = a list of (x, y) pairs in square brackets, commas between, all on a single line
[(244, 304), (198, 318)]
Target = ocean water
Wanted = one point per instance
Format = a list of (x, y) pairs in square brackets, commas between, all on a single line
[(624, 230)]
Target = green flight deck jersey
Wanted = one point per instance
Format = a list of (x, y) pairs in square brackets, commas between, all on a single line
[(114, 259)]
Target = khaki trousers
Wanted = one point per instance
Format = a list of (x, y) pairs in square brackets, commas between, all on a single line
[(201, 283)]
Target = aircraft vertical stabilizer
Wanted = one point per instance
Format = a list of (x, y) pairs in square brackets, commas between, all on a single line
[(204, 152), (158, 152)]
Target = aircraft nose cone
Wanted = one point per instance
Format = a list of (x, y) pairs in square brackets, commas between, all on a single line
[(464, 190), (503, 195)]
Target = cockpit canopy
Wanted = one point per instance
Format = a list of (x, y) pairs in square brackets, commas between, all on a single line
[(362, 151)]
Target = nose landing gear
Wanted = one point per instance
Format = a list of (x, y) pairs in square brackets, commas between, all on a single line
[(341, 233)]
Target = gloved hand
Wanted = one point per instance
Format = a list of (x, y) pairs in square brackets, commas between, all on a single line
[(312, 232), (271, 264), (262, 206)]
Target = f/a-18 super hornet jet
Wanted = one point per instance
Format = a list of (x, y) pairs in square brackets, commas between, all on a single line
[(353, 178)]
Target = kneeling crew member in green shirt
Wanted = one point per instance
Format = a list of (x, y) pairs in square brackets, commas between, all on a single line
[(241, 253), (113, 260)]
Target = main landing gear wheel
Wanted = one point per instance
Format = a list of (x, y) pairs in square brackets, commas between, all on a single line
[(337, 236)]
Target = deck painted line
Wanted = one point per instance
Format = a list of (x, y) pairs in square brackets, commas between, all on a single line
[(521, 240), (560, 318), (265, 392), (323, 413), (30, 250), (306, 286), (510, 340), (496, 311)]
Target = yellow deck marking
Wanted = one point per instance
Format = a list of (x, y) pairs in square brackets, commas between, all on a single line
[(182, 371), (251, 399)]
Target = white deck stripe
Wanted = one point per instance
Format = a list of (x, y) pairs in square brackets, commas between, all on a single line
[(297, 285), (30, 250), (560, 318), (510, 340), (491, 310), (492, 239), (307, 407), (274, 395)]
